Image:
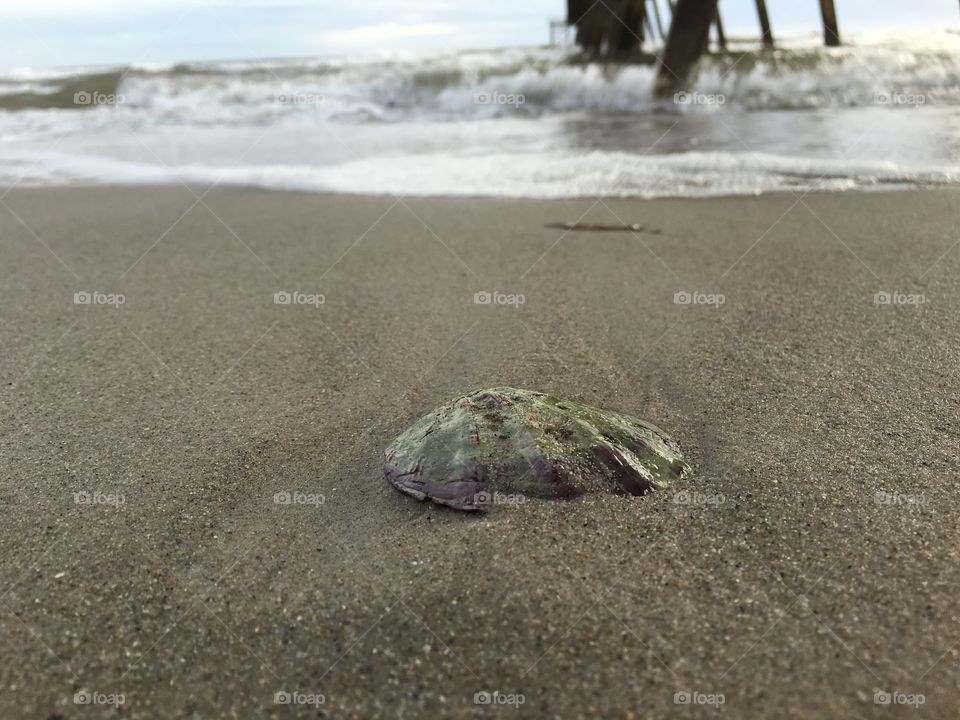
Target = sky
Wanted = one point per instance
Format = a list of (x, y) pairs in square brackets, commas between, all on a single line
[(42, 33)]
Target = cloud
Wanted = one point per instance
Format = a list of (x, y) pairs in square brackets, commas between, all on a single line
[(369, 34), (122, 8), (67, 7)]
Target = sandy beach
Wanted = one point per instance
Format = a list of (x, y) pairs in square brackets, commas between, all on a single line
[(156, 399)]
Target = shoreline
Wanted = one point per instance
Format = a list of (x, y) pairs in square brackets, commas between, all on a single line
[(821, 424), (879, 187)]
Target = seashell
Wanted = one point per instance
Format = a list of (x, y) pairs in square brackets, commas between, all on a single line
[(519, 443)]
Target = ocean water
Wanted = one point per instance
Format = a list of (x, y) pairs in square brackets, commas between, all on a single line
[(881, 112)]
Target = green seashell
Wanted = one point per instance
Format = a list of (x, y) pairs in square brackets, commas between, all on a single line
[(505, 441)]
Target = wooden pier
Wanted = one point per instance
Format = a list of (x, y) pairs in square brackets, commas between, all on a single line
[(617, 29)]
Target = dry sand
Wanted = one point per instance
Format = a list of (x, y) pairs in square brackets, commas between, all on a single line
[(787, 584)]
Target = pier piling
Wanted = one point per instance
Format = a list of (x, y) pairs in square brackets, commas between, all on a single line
[(686, 42), (831, 32), (767, 33), (721, 35), (612, 29)]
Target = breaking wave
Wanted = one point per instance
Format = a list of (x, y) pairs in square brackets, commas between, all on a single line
[(453, 85), (531, 122)]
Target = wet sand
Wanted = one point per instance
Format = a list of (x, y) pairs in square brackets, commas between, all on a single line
[(810, 563)]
